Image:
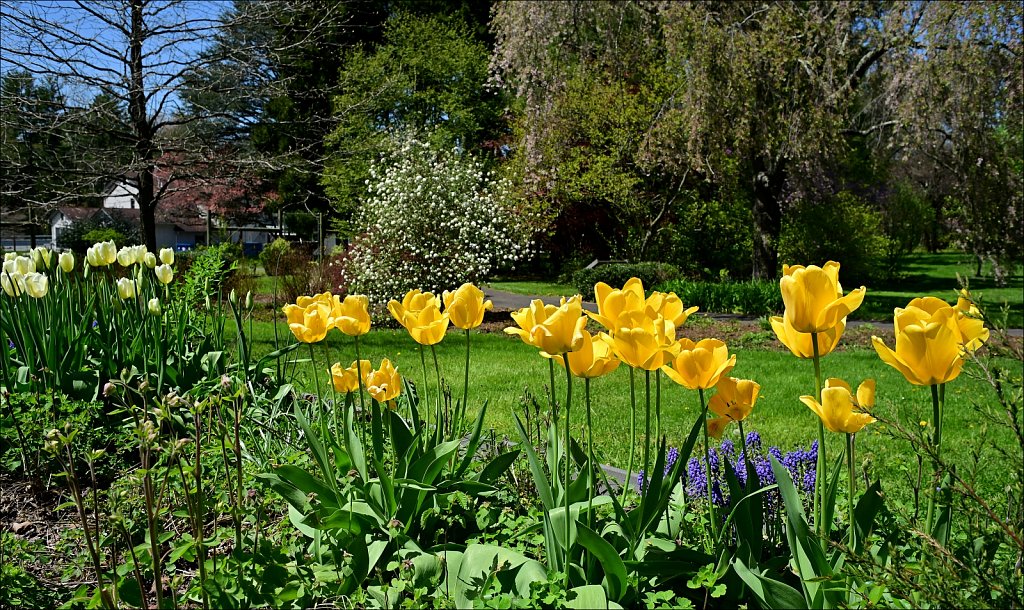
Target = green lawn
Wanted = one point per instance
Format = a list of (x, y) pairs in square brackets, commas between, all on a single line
[(534, 288), (503, 367), (936, 275)]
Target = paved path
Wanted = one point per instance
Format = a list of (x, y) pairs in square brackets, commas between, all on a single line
[(509, 301)]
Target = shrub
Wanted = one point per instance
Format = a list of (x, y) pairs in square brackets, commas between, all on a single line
[(273, 255), (84, 233), (844, 229), (617, 274), (750, 298), (432, 220)]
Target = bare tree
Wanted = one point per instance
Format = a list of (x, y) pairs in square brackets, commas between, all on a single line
[(123, 67)]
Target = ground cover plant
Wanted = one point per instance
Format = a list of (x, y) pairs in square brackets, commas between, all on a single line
[(324, 460)]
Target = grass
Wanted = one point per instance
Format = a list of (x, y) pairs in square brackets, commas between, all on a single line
[(534, 288), (503, 368), (936, 275)]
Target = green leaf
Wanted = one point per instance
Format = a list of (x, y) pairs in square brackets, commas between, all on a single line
[(770, 593), (536, 469), (615, 579), (865, 512), (497, 467)]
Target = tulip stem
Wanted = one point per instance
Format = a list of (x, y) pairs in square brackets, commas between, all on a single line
[(568, 462), (852, 542), (440, 394), (423, 398), (632, 435), (465, 388), (590, 458), (316, 381), (647, 428), (707, 470), (551, 394), (938, 398), (359, 378), (820, 474), (657, 405)]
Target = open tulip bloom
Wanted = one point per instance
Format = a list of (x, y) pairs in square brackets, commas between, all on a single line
[(932, 340), (465, 308)]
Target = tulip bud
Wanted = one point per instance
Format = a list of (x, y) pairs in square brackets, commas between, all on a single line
[(154, 306), (164, 274), (232, 297), (248, 300), (41, 257), (66, 260), (12, 283), (150, 259), (125, 288), (36, 285), (167, 256)]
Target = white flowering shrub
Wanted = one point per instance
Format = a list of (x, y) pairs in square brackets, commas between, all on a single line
[(432, 220)]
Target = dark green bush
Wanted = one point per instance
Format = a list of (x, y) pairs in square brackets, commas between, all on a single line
[(845, 229), (273, 256), (750, 298), (617, 274)]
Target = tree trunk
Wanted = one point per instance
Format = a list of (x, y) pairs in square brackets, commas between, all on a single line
[(767, 215), (144, 145)]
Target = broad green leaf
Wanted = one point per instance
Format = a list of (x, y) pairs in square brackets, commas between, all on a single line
[(615, 579)]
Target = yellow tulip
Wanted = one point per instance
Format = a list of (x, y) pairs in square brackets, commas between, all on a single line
[(310, 324), (929, 350), (130, 255), (840, 410), (420, 314), (125, 288), (164, 274), (972, 329), (554, 330), (668, 306), (66, 260), (717, 426), (154, 306), (324, 297), (700, 365), (814, 298), (347, 380), (36, 285), (529, 317), (167, 256), (149, 259), (800, 344), (101, 254), (612, 303), (593, 359), (644, 343), (734, 398), (22, 265), (384, 384), (351, 316), (466, 306)]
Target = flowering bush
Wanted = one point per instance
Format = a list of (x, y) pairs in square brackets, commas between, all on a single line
[(432, 220)]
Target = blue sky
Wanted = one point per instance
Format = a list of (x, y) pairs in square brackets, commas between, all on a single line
[(98, 48)]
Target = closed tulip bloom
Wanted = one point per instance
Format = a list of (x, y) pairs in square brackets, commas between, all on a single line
[(466, 306), (125, 288), (154, 306), (717, 426), (384, 384), (700, 365), (164, 274), (13, 283), (734, 398), (668, 306), (102, 254), (644, 343), (310, 324), (929, 350), (420, 314), (593, 359), (66, 260), (347, 380), (840, 410), (351, 316), (21, 265), (41, 256), (612, 303), (528, 317), (36, 285), (814, 298), (149, 259), (800, 344), (167, 256), (127, 256)]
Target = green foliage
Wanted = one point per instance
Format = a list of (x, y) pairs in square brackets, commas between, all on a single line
[(906, 217), (273, 254), (711, 232), (844, 229), (617, 274), (205, 268), (750, 298), (428, 74), (83, 234)]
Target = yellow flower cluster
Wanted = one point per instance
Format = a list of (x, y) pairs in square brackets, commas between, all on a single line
[(420, 312), (310, 317), (383, 384)]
